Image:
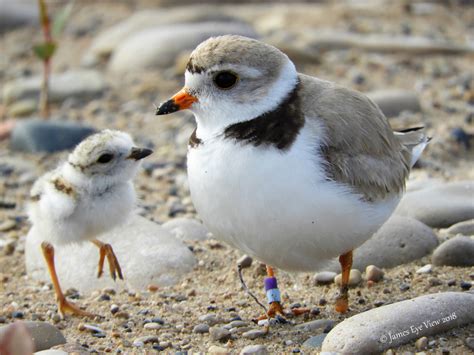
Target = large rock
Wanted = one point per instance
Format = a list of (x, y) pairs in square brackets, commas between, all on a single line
[(147, 253), (186, 229), (106, 42), (440, 206), (82, 84), (458, 251), (399, 241), (17, 13), (160, 46), (393, 102), (34, 135), (396, 324), (44, 335)]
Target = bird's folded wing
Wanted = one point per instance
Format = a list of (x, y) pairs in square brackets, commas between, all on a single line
[(358, 144)]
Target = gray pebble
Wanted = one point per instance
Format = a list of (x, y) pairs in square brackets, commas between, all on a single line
[(254, 349), (464, 228), (44, 335), (470, 343), (440, 206), (422, 343), (318, 324), (324, 277), (219, 334), (373, 273), (210, 319), (458, 251), (315, 342), (254, 334), (186, 229), (201, 328), (139, 342)]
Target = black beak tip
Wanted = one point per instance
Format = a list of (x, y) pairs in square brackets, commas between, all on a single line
[(167, 107), (139, 153)]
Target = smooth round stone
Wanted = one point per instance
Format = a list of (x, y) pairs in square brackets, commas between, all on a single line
[(464, 228), (422, 343), (470, 343), (399, 323), (254, 334), (373, 273), (160, 46), (440, 206), (210, 319), (43, 334), (186, 229), (152, 256), (139, 342), (458, 251), (324, 278), (315, 342), (218, 350), (35, 135), (425, 269), (219, 334), (394, 102), (355, 277), (152, 325), (255, 350), (201, 328)]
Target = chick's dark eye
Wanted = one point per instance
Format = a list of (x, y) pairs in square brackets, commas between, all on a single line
[(105, 158), (225, 79)]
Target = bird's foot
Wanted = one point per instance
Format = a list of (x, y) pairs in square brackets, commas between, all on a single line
[(277, 311), (106, 250), (66, 307), (342, 303)]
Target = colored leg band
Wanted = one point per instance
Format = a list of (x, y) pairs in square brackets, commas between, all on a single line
[(273, 295), (270, 283)]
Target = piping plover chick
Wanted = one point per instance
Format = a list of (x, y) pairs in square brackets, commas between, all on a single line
[(286, 167), (89, 194)]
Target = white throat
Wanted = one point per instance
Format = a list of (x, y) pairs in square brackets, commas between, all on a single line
[(212, 121)]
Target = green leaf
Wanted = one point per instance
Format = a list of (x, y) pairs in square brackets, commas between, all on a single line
[(45, 50), (60, 19)]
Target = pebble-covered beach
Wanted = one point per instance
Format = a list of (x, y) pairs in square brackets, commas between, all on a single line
[(411, 284)]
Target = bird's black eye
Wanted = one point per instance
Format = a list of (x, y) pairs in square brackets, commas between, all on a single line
[(105, 158), (225, 79)]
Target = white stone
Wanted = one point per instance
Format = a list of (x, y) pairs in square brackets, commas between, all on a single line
[(186, 229), (425, 269), (147, 253), (399, 323)]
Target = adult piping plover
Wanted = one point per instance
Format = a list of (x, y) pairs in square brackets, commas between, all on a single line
[(288, 168), (89, 194)]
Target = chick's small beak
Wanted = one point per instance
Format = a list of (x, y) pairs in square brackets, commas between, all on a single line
[(180, 101), (139, 153)]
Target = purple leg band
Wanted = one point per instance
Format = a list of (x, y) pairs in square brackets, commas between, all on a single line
[(270, 283)]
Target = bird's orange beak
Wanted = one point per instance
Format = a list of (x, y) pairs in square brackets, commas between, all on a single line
[(180, 101)]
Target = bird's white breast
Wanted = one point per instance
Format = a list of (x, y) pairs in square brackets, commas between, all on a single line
[(279, 206)]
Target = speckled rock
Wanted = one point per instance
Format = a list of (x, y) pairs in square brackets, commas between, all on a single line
[(399, 241), (464, 228), (147, 253), (440, 206), (84, 84), (458, 251), (186, 229), (160, 46), (398, 323)]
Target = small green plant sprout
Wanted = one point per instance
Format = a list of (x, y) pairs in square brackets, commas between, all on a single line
[(46, 49)]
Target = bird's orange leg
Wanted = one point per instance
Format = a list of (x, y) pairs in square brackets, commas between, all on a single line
[(105, 250), (274, 299), (342, 301), (63, 305)]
